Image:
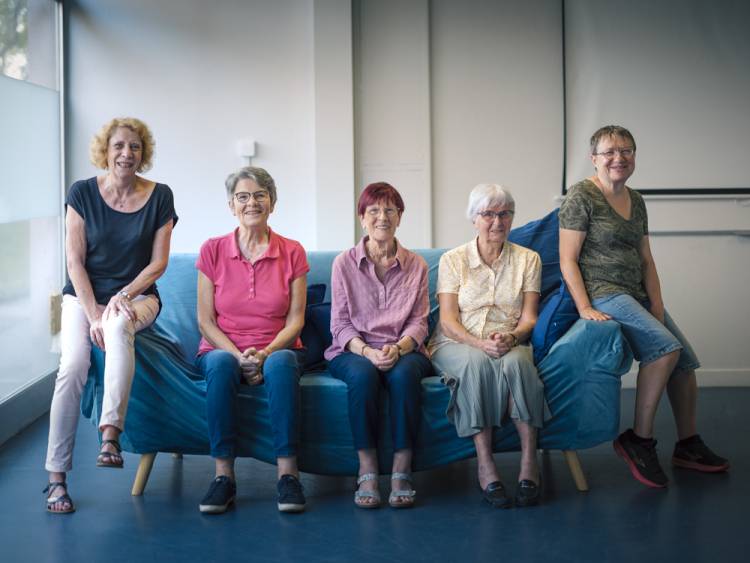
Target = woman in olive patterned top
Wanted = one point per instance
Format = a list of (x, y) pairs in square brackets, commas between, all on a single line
[(606, 260)]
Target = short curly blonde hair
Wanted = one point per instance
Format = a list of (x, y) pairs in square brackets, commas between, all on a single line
[(100, 142)]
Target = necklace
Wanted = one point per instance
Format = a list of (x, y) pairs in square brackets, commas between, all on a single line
[(120, 199)]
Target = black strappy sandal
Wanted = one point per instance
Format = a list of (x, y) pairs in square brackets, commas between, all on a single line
[(109, 459), (64, 498)]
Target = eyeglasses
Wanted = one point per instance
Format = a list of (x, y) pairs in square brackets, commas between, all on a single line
[(502, 215), (624, 153), (244, 197), (375, 211)]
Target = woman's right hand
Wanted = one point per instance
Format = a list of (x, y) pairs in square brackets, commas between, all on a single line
[(493, 347), (383, 359), (96, 332), (250, 367), (591, 314)]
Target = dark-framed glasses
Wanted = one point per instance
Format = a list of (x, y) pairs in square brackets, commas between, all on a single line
[(502, 215), (259, 196), (624, 153)]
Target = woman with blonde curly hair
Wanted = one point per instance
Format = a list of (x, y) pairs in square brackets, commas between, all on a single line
[(118, 231)]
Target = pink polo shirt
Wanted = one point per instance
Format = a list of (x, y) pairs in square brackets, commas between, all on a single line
[(251, 300), (377, 312)]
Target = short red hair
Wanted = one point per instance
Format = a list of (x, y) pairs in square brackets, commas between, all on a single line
[(379, 191)]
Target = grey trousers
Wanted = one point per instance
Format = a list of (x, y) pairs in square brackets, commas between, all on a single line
[(489, 392)]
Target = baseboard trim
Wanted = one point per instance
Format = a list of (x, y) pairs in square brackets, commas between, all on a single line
[(24, 407), (706, 378)]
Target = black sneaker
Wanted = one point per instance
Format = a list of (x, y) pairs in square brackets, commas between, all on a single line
[(692, 453), (290, 498), (219, 496), (641, 459)]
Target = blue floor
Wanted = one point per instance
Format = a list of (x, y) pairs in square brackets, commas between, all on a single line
[(698, 518)]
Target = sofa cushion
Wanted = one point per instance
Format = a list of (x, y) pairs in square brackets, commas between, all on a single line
[(542, 237), (311, 336), (557, 313), (316, 336), (316, 293)]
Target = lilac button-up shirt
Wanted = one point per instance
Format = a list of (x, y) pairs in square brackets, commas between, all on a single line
[(378, 312)]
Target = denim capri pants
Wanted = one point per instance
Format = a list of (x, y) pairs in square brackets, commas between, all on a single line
[(648, 338)]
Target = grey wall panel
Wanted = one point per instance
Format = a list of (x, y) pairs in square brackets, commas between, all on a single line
[(497, 110)]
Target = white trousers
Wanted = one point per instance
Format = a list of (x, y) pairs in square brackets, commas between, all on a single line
[(119, 367)]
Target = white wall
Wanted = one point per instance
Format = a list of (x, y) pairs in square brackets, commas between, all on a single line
[(706, 286), (497, 107), (334, 125), (202, 75), (392, 117), (676, 72)]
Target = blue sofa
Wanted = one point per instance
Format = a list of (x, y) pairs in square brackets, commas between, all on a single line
[(166, 413)]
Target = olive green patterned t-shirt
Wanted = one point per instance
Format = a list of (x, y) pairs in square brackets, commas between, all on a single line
[(610, 258)]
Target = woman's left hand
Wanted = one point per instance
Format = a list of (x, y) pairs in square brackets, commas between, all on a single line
[(252, 368), (504, 342), (389, 356), (120, 304)]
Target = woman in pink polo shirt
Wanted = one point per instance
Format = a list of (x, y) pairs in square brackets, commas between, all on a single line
[(251, 309), (379, 307)]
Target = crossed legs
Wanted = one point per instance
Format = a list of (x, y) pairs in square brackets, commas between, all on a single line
[(72, 374)]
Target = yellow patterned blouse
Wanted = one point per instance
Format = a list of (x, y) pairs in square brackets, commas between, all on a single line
[(490, 298)]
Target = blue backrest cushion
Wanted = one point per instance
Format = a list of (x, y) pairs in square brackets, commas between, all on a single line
[(557, 314), (178, 291), (313, 335), (557, 311), (316, 293), (542, 236), (316, 336)]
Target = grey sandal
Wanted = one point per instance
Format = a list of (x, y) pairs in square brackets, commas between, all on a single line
[(110, 459), (64, 498), (397, 498), (375, 495)]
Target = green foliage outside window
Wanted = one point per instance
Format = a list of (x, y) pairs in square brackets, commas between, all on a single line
[(14, 38)]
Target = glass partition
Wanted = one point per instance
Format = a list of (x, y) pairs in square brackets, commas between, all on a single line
[(30, 192)]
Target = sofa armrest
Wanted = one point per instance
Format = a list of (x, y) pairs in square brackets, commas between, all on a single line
[(166, 410), (581, 376)]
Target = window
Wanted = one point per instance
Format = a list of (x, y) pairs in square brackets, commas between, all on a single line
[(30, 190)]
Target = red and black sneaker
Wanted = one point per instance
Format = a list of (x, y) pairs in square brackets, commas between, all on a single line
[(692, 453), (640, 455)]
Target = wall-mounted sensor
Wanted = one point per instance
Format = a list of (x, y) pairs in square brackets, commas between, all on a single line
[(246, 148)]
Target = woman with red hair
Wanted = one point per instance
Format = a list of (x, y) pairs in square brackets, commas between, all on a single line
[(379, 307)]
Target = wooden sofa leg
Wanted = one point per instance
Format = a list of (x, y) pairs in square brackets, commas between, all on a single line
[(141, 476), (574, 464)]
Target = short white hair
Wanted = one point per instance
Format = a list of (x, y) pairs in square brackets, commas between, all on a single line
[(484, 196)]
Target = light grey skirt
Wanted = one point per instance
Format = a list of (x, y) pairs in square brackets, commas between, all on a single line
[(481, 388)]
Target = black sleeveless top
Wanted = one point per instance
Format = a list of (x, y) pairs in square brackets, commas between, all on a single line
[(118, 245)]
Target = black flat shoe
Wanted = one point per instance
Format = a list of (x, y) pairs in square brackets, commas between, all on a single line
[(495, 495), (528, 493)]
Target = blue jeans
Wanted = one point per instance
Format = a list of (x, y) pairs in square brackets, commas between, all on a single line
[(648, 338), (281, 373), (364, 383)]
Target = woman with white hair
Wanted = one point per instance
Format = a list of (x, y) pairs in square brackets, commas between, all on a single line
[(488, 291)]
